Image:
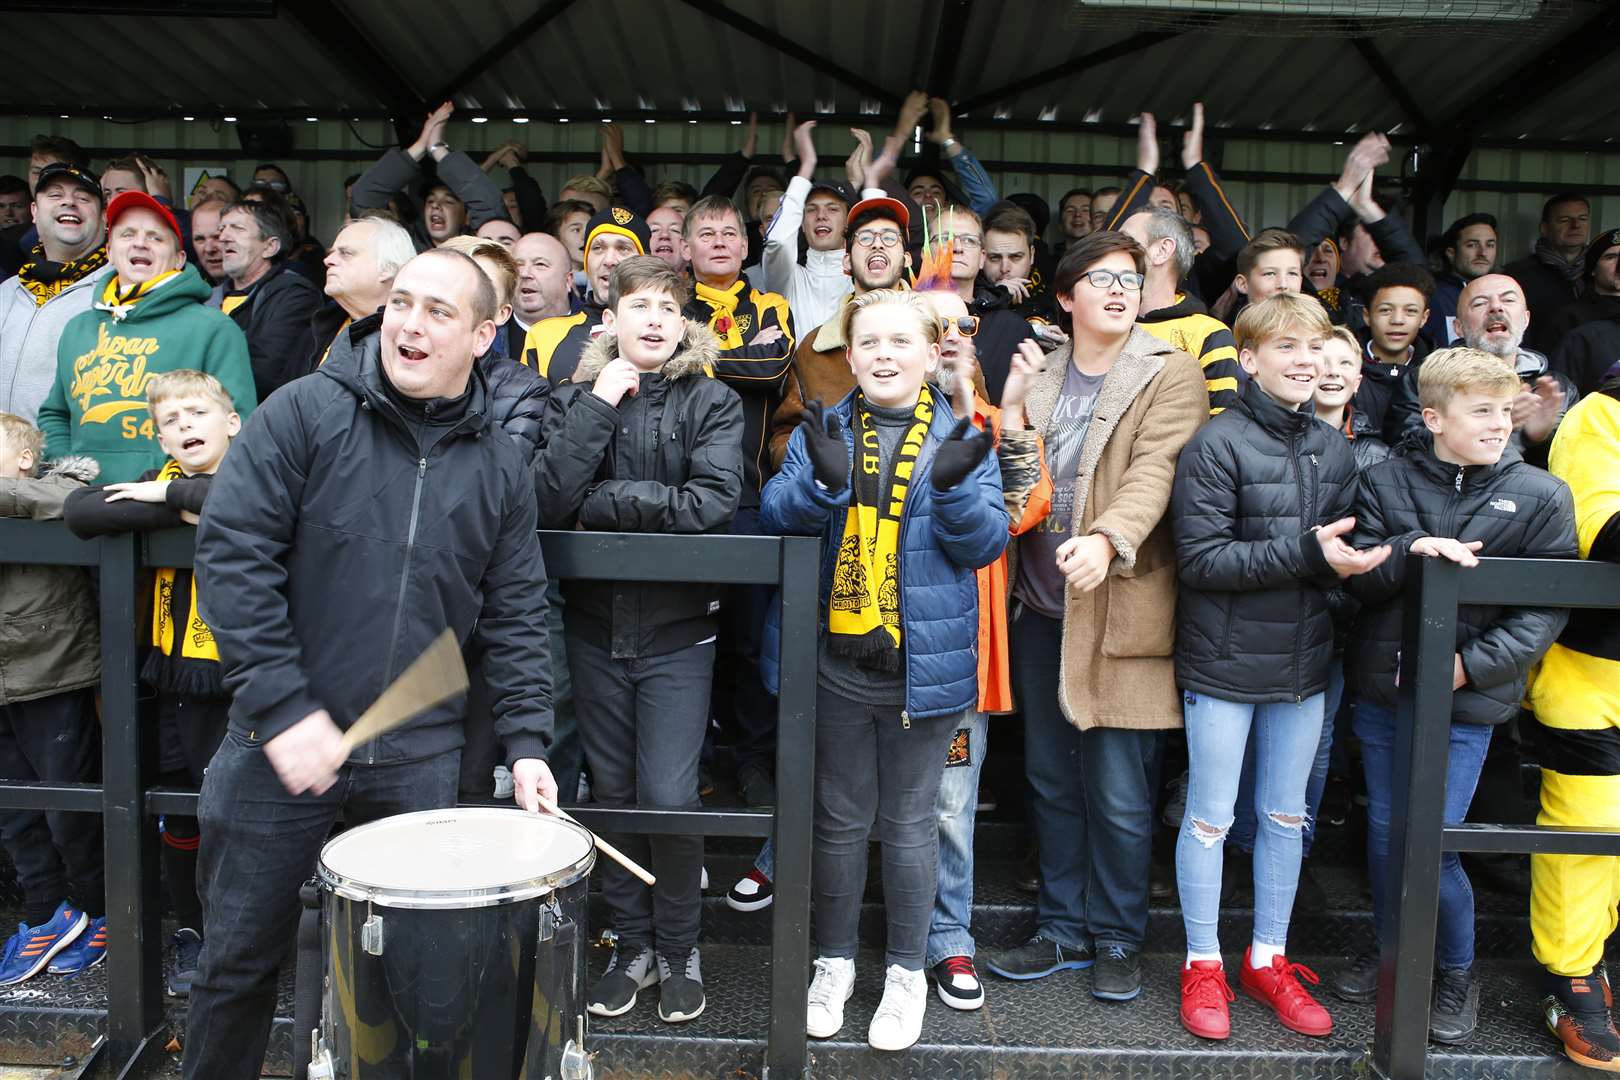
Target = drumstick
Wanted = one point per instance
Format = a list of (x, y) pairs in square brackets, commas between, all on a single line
[(433, 678), (601, 845)]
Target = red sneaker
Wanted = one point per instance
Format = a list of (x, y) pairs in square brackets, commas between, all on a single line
[(1204, 994), (1278, 986)]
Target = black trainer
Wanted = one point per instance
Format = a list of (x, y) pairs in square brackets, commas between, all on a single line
[(1455, 1013), (1117, 975), (680, 988), (630, 971), (1357, 979), (757, 787), (187, 956), (1037, 958)]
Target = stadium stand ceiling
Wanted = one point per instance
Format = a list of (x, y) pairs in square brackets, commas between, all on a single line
[(1452, 72)]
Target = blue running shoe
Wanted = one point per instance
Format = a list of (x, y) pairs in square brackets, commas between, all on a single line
[(33, 947), (85, 952)]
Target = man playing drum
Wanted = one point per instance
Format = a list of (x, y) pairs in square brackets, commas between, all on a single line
[(364, 509)]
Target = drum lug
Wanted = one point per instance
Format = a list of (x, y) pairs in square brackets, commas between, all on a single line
[(551, 917), (576, 1061), (320, 1059), (371, 935)]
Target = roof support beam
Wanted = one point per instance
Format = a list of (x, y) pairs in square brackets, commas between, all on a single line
[(1392, 83), (346, 45), (953, 23), (1097, 57), (520, 35), (720, 13)]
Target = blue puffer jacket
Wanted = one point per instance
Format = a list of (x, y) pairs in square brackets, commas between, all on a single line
[(944, 537)]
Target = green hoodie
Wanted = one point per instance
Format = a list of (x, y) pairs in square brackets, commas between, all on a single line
[(108, 355)]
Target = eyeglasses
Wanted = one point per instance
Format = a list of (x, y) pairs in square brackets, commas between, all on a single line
[(1129, 280), (873, 237), (966, 325), (968, 240)]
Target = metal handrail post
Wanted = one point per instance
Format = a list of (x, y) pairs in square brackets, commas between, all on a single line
[(786, 1051)]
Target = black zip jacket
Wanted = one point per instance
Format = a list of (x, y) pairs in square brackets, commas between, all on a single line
[(1589, 352), (1517, 510), (1253, 618), (667, 459), (275, 318), (345, 531), (1380, 382), (1000, 330)]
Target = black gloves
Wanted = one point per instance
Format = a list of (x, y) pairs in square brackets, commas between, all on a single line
[(824, 442), (959, 455)]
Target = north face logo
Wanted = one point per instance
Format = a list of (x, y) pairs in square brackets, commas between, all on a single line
[(1507, 506)]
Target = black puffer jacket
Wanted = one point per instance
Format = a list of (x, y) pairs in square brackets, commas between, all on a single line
[(344, 532), (667, 459), (1253, 621), (1517, 510), (1000, 330)]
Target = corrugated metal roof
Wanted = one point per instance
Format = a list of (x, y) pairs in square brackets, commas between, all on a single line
[(669, 55)]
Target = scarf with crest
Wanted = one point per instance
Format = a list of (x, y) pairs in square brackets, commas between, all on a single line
[(44, 279), (863, 619)]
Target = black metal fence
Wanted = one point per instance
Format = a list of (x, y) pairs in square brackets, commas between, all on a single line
[(134, 935), (1436, 588)]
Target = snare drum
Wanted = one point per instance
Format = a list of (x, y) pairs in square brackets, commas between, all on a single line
[(454, 947)]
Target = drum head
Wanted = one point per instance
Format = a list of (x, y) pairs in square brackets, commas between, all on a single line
[(460, 857)]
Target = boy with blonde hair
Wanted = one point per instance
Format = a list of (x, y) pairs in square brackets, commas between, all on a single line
[(1459, 490), (48, 729), (195, 422)]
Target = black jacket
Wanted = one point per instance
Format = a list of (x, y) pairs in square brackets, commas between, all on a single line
[(276, 319), (1517, 510), (1000, 331), (1381, 381), (1591, 307), (1588, 352), (345, 531), (1546, 293), (1252, 621), (667, 459)]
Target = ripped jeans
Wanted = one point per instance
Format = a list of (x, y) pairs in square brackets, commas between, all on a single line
[(1286, 735)]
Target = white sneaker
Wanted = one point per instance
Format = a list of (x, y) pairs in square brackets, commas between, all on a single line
[(832, 986), (897, 1024)]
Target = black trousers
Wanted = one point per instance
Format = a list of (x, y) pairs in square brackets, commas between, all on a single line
[(259, 845), (641, 724), (190, 729), (57, 853)]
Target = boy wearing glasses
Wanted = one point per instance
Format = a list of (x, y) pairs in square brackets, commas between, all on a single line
[(1093, 619)]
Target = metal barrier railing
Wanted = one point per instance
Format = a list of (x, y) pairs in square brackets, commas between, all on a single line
[(134, 954), (1435, 589)]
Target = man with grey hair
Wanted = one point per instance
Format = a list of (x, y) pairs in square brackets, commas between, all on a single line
[(1178, 317), (265, 294), (1492, 316), (360, 269)]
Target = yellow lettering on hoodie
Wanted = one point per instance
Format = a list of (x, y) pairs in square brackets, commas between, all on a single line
[(116, 365)]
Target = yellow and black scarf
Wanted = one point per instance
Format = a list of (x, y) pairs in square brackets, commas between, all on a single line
[(44, 279), (184, 658), (864, 611), (120, 301)]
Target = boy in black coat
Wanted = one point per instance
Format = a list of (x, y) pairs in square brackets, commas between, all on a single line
[(643, 438), (1458, 490)]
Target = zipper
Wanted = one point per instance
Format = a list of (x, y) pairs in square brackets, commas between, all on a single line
[(1305, 517), (404, 580)]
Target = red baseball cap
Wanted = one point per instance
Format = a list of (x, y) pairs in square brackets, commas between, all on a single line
[(893, 209), (133, 200)]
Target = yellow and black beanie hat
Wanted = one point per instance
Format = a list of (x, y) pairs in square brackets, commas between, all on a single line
[(616, 219)]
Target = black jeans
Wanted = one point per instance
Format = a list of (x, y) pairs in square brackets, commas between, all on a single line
[(853, 790), (53, 738), (190, 730), (259, 845), (742, 629), (1091, 803), (642, 726)]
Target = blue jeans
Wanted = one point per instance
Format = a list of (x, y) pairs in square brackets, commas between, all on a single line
[(950, 930), (1375, 727), (1243, 828), (1091, 804), (1286, 738)]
